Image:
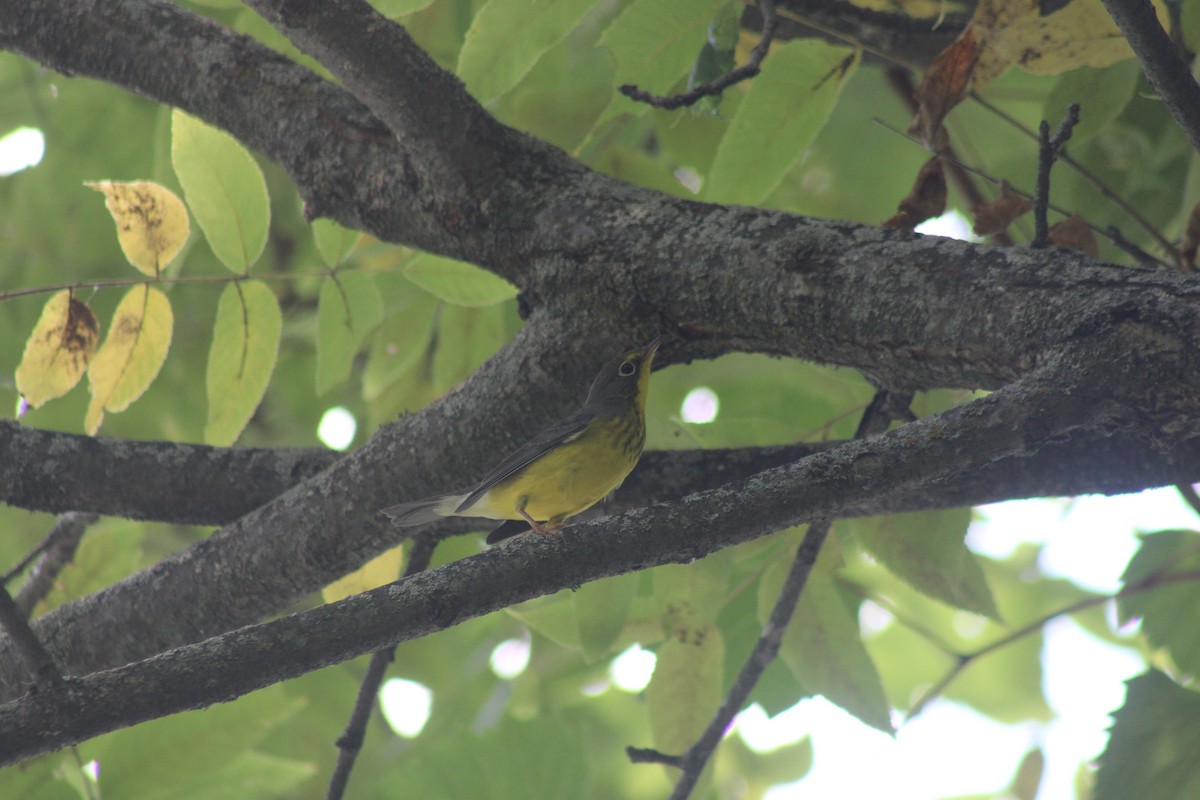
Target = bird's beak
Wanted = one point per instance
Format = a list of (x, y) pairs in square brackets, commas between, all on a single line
[(649, 350)]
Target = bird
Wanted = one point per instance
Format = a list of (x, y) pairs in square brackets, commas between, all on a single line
[(562, 471)]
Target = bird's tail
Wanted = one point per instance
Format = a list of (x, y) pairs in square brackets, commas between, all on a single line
[(420, 512), (507, 529)]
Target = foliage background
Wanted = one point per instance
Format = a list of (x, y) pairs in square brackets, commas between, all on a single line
[(489, 737)]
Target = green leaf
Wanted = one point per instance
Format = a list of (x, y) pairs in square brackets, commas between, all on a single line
[(244, 348), (466, 337), (506, 39), (224, 188), (402, 338), (333, 241), (785, 108), (552, 617), (927, 550), (601, 610), (150, 760), (654, 44), (457, 282), (822, 646), (1102, 95), (249, 776), (400, 8), (690, 596), (910, 650), (348, 309), (1168, 611), (685, 690), (635, 166), (716, 57), (53, 776), (1154, 745), (509, 760)]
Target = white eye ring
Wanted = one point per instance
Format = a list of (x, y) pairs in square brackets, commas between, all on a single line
[(626, 369)]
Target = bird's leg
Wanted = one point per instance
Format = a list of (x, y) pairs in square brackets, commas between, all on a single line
[(550, 526), (534, 525)]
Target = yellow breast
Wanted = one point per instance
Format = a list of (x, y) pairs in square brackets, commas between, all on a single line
[(573, 476)]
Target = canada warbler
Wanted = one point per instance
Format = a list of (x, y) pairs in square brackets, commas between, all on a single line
[(565, 469)]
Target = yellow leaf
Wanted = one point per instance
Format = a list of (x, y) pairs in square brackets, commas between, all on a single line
[(132, 353), (58, 350), (152, 223), (384, 568), (1015, 32)]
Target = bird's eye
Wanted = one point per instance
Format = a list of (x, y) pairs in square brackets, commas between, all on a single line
[(627, 368)]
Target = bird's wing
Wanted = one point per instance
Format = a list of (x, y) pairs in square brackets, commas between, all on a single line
[(562, 431)]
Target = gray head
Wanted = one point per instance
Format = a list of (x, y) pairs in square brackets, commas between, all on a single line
[(624, 380)]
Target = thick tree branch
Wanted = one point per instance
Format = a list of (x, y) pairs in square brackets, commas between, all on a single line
[(52, 471), (1165, 70), (58, 472), (1017, 419), (42, 673), (598, 261)]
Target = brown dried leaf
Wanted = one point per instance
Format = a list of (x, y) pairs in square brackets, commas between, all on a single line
[(1074, 232), (926, 200), (992, 218), (942, 88)]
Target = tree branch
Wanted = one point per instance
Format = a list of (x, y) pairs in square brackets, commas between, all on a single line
[(748, 70), (59, 472), (890, 38), (1016, 419), (53, 471), (1048, 150), (1165, 70), (53, 554), (43, 674), (640, 263)]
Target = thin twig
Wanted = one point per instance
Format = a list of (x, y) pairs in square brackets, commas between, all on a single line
[(882, 409), (764, 652), (1092, 180), (90, 790), (167, 280), (53, 554), (964, 660), (350, 742), (1048, 150), (39, 663), (1111, 232), (748, 70)]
